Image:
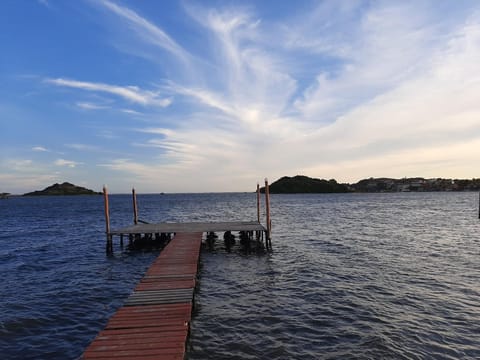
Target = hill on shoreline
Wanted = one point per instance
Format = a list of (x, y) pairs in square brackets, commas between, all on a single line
[(62, 189), (303, 184)]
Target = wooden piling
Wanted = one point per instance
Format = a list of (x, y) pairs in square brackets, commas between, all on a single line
[(109, 247), (479, 205), (267, 206), (258, 202), (135, 211)]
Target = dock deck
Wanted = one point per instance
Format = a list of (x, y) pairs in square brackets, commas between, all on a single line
[(154, 322)]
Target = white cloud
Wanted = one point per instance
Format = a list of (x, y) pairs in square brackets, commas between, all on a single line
[(130, 93), (39, 149), (91, 106), (131, 112), (67, 163)]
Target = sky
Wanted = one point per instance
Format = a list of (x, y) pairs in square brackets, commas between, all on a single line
[(213, 96)]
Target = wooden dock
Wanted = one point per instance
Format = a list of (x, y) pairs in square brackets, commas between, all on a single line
[(154, 322), (140, 228)]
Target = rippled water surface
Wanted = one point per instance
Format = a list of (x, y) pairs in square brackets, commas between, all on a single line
[(364, 276)]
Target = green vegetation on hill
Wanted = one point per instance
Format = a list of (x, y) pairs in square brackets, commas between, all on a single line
[(303, 184), (63, 189)]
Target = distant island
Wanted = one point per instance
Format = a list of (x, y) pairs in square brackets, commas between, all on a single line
[(303, 184), (63, 189)]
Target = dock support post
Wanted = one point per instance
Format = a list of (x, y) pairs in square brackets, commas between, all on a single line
[(268, 240), (479, 205), (258, 202), (135, 211), (109, 246)]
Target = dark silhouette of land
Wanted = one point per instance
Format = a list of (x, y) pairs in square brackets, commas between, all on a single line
[(63, 189), (303, 184)]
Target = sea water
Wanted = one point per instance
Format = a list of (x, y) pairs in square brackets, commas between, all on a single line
[(362, 276)]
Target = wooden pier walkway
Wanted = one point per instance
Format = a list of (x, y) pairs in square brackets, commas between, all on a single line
[(154, 322)]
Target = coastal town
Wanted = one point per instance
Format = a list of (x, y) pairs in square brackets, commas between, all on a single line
[(415, 184)]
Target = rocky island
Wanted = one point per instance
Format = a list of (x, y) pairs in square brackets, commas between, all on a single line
[(63, 189)]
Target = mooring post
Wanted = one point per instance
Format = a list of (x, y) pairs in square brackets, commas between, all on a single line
[(135, 212), (258, 202), (267, 205), (109, 246), (479, 205)]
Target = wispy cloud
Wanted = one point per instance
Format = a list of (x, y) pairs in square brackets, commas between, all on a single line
[(39, 149), (131, 93), (82, 147), (67, 163), (146, 30), (131, 112), (91, 106), (45, 3)]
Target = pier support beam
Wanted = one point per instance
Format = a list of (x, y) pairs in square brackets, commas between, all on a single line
[(109, 247), (479, 205), (258, 202), (135, 211), (268, 241)]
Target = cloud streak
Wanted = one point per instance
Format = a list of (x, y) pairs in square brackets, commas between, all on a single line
[(131, 93), (39, 149), (146, 30)]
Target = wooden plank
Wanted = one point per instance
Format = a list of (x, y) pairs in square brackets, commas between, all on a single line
[(163, 285), (143, 357), (152, 302), (187, 291), (153, 336), (160, 328), (135, 354), (158, 308), (140, 344)]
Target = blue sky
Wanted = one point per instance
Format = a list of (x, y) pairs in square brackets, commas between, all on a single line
[(193, 96)]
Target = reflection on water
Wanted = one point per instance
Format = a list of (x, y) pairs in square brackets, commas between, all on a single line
[(351, 276)]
